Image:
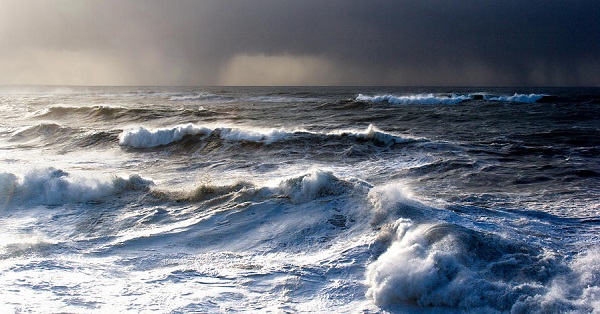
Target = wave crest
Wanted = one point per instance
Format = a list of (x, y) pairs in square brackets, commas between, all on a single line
[(521, 98), (420, 99), (141, 137), (315, 184), (52, 186), (434, 99), (376, 135)]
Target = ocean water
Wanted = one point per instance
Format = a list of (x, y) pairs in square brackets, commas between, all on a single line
[(296, 200)]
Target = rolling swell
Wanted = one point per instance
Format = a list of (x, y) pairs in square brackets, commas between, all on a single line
[(119, 114), (56, 135), (44, 134)]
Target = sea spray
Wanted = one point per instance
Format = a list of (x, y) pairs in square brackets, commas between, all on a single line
[(52, 186)]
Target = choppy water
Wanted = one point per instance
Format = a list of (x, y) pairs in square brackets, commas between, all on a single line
[(396, 200)]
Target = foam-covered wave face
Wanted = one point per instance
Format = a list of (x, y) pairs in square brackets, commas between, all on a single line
[(430, 263), (55, 187), (421, 99), (444, 265)]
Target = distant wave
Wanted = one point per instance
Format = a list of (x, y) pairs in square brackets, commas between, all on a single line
[(52, 186), (433, 99), (141, 137), (95, 113), (222, 98), (90, 111), (420, 99), (281, 99), (199, 96), (521, 98)]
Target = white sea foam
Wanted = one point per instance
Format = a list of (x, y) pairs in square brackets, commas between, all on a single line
[(143, 137), (140, 137), (445, 265), (269, 136), (429, 263), (375, 134), (521, 98), (420, 99), (54, 187)]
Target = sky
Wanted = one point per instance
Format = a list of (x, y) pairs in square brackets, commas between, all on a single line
[(300, 42)]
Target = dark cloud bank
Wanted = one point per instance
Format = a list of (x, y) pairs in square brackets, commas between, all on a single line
[(283, 42)]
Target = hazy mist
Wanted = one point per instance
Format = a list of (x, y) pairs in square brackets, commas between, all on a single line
[(284, 42)]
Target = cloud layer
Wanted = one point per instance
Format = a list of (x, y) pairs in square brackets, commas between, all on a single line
[(285, 42)]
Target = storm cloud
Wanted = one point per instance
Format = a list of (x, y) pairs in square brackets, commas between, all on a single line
[(284, 42)]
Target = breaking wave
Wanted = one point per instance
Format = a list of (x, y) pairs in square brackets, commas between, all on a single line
[(435, 99), (141, 137), (520, 98), (52, 186), (421, 99)]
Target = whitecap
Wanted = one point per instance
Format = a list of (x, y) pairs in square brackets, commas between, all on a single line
[(520, 98), (419, 99), (52, 186)]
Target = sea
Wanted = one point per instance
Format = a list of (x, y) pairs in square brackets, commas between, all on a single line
[(299, 200)]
